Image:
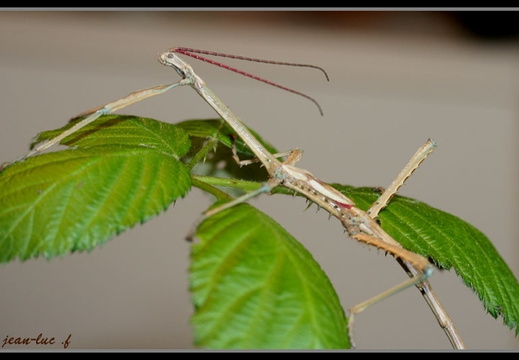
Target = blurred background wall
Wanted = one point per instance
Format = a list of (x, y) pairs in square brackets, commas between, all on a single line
[(397, 78)]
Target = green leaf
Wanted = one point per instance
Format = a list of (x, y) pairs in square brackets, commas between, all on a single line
[(255, 287), (123, 171), (451, 243)]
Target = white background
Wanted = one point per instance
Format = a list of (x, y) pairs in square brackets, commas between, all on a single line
[(396, 80)]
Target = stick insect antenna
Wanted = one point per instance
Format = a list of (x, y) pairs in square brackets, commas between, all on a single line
[(194, 54)]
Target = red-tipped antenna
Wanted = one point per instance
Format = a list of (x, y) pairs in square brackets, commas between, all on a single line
[(193, 53)]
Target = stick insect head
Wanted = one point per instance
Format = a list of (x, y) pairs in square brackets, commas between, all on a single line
[(169, 58)]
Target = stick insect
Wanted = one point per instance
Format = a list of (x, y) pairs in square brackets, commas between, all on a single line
[(360, 225)]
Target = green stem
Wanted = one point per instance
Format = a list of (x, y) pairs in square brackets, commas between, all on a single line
[(217, 193), (202, 153), (209, 183), (244, 185)]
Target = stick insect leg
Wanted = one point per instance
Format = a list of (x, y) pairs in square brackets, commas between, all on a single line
[(443, 318), (285, 154), (422, 271), (109, 108), (265, 188), (244, 198), (420, 155)]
